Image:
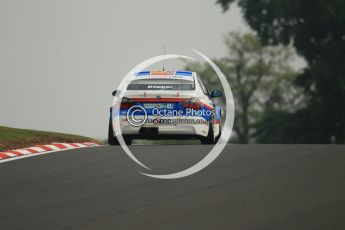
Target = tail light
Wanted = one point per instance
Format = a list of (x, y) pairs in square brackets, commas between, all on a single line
[(192, 103), (127, 103)]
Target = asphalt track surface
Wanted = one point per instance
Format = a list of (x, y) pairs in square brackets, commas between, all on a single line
[(247, 187)]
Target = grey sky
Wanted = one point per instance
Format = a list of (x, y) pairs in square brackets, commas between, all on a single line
[(60, 60)]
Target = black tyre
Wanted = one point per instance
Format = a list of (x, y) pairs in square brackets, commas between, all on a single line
[(128, 140), (209, 140), (111, 139), (220, 133)]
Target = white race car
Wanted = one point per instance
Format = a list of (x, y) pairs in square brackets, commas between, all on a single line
[(165, 105)]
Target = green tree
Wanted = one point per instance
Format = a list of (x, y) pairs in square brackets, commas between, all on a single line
[(316, 28), (258, 76)]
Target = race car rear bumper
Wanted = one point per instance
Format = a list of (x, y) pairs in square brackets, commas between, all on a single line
[(160, 131)]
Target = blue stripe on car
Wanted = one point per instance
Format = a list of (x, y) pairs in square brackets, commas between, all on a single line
[(183, 73), (143, 73)]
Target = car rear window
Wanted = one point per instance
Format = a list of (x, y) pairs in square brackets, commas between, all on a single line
[(161, 84)]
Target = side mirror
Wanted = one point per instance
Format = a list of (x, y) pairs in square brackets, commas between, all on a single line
[(114, 93), (216, 93)]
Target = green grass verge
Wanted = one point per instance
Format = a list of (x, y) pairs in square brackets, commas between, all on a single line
[(11, 138)]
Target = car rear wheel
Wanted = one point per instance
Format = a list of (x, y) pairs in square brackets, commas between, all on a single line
[(217, 138), (113, 140), (220, 133), (128, 140), (209, 140)]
